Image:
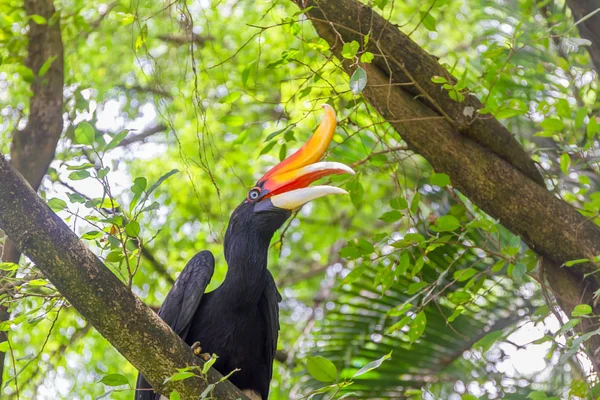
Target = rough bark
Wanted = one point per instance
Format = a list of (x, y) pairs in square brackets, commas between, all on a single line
[(590, 28), (481, 157), (97, 294), (33, 148)]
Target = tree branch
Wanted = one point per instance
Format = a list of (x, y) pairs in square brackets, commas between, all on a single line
[(481, 157), (142, 136), (590, 27), (99, 296)]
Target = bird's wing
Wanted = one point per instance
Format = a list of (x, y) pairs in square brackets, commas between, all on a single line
[(269, 306), (184, 298), (180, 306)]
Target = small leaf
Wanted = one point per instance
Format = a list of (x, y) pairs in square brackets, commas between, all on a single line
[(575, 262), (4, 347), (132, 229), (565, 163), (79, 175), (46, 65), (116, 140), (85, 134), (355, 274), (180, 376), (230, 98), (349, 50), (417, 327), (174, 395), (372, 365), (321, 369), (279, 132), (464, 274), (57, 205), (391, 216), (232, 120), (581, 309), (268, 147), (38, 19), (37, 282), (358, 80), (440, 180), (428, 21), (447, 223), (114, 380), (209, 364), (8, 266), (366, 57), (91, 235)]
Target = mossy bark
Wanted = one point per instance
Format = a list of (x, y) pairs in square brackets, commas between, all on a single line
[(482, 158), (97, 294)]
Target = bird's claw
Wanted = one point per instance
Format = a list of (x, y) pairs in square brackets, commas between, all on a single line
[(196, 348), (198, 351)]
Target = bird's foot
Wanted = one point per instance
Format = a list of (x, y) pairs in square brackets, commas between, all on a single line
[(198, 352), (196, 348)]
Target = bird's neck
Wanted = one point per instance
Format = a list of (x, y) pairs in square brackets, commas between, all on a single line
[(246, 254)]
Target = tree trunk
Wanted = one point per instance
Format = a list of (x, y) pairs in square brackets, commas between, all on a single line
[(33, 148), (481, 157), (97, 294)]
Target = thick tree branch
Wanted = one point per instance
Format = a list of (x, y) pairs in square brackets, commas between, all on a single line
[(589, 28), (99, 296), (481, 157)]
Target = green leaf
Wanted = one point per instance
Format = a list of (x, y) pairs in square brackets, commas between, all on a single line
[(4, 347), (160, 181), (398, 325), (350, 49), (114, 380), (91, 235), (565, 163), (358, 80), (552, 125), (460, 296), (116, 140), (465, 274), (399, 203), (391, 216), (417, 327), (79, 167), (230, 98), (518, 272), (488, 340), (180, 376), (415, 287), (38, 19), (570, 324), (581, 309), (372, 365), (575, 262), (57, 205), (46, 65), (428, 21), (132, 228), (79, 175), (279, 132), (355, 274), (37, 282), (440, 180), (232, 120), (209, 364), (414, 204), (321, 369), (366, 57), (8, 266), (447, 223), (174, 395), (85, 134), (403, 264)]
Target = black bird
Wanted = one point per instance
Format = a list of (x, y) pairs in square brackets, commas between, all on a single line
[(239, 321)]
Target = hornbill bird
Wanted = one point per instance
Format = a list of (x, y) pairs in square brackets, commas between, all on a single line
[(239, 321)]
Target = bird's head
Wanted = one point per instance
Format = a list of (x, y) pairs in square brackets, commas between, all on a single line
[(285, 187)]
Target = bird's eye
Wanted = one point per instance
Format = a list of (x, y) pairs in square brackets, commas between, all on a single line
[(253, 194)]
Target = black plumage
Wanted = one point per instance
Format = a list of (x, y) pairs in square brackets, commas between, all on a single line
[(239, 321)]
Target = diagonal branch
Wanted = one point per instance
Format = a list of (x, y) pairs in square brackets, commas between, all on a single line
[(587, 13), (481, 157), (99, 296)]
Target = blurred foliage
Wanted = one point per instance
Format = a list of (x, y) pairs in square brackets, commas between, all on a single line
[(405, 265)]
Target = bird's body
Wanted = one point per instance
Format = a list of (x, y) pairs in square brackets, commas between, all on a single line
[(239, 321)]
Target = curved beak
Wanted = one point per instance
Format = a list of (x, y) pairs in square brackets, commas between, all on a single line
[(286, 185)]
